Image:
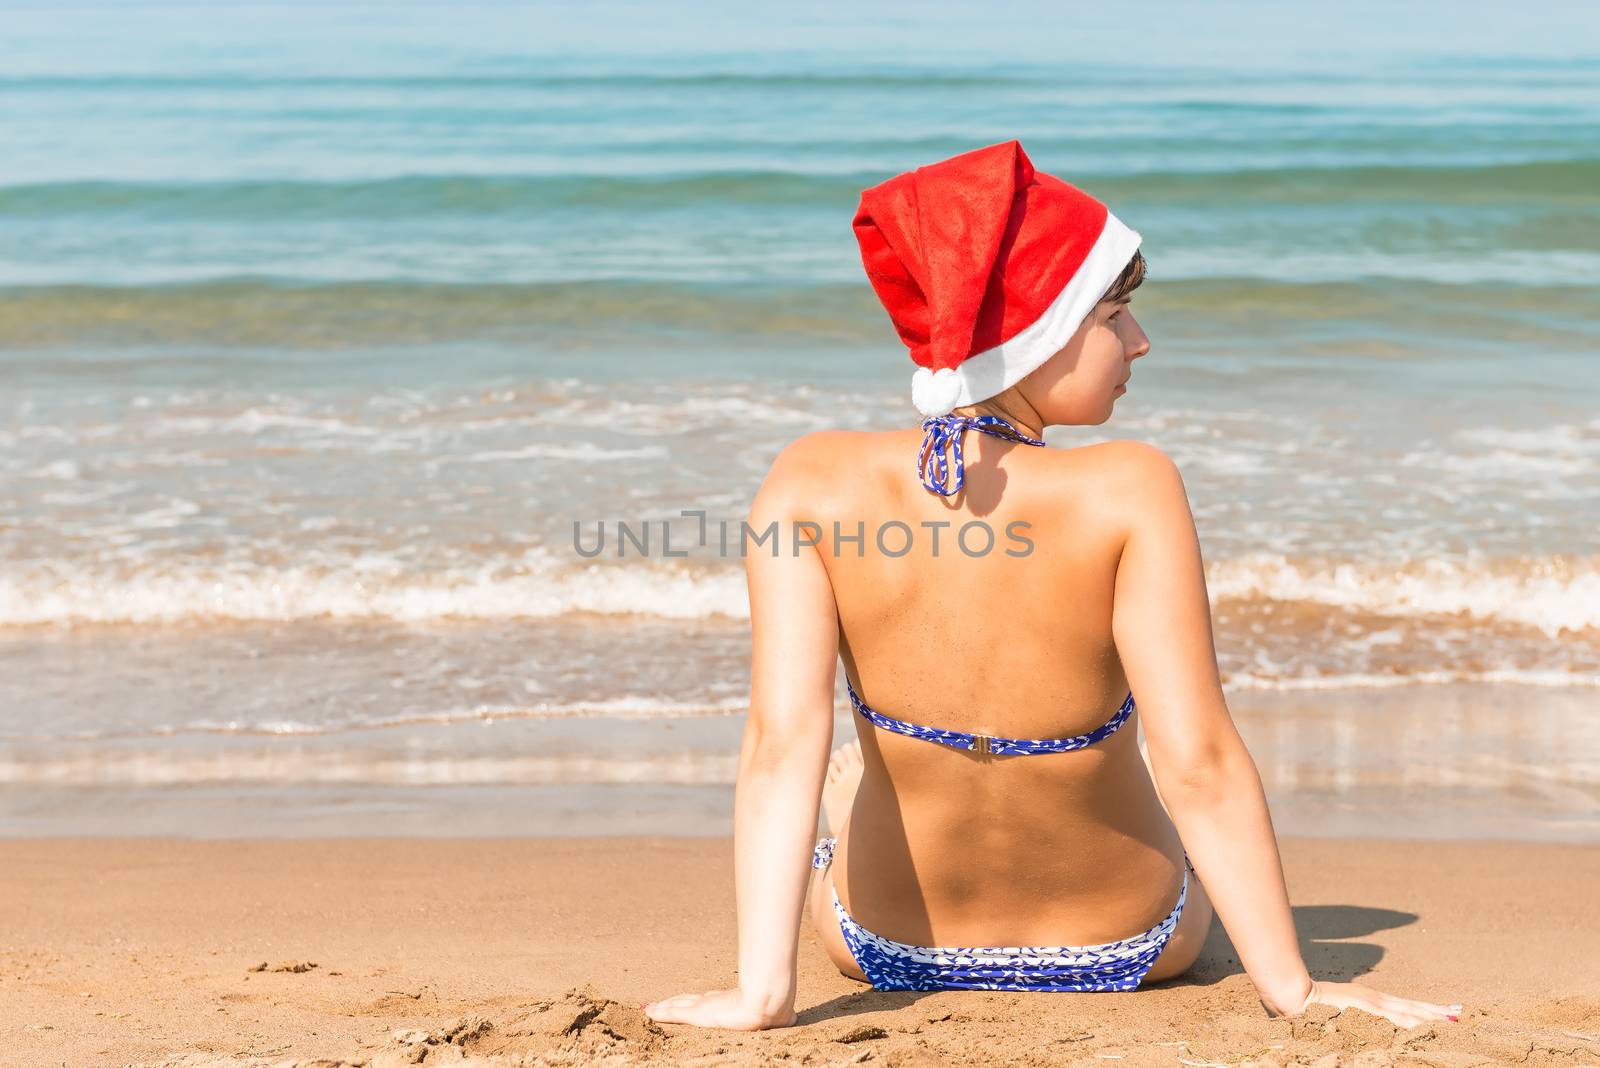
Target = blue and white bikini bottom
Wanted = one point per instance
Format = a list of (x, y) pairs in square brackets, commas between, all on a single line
[(891, 965)]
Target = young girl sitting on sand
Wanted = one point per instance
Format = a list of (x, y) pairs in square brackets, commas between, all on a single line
[(998, 825)]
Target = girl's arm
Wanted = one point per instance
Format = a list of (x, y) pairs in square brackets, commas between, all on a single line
[(1161, 621), (783, 760)]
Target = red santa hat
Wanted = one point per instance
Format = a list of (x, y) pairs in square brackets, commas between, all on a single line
[(987, 267)]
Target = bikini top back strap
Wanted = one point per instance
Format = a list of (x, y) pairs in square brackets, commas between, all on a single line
[(983, 743)]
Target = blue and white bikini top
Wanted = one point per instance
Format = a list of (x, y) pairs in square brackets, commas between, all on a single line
[(984, 743)]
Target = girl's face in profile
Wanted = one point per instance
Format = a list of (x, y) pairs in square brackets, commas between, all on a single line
[(1079, 384)]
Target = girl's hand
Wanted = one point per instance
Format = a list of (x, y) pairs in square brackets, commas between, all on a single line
[(727, 1009), (1403, 1012)]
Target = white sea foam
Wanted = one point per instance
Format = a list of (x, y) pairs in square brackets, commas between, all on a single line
[(1559, 450), (1551, 595), (581, 451), (631, 707), (141, 768), (64, 470), (370, 586), (1363, 681), (254, 421)]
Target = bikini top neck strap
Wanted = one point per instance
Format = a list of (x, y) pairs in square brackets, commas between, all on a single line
[(941, 432)]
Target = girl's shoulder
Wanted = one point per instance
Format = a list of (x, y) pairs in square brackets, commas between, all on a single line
[(1125, 457)]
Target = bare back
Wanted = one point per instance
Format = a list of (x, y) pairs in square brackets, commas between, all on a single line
[(1048, 849)]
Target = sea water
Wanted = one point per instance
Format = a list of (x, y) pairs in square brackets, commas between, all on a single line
[(321, 327)]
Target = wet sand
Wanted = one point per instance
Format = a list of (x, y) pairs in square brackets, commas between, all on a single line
[(522, 951), (1462, 760)]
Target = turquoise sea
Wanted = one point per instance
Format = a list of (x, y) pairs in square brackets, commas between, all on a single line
[(321, 326)]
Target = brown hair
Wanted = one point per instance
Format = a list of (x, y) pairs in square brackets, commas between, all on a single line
[(1128, 280)]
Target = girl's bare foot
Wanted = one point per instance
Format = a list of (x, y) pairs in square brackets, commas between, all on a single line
[(839, 791)]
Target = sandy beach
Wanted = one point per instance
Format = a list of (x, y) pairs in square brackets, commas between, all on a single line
[(524, 951), (333, 730)]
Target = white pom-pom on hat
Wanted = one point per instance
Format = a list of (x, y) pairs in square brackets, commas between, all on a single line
[(935, 392)]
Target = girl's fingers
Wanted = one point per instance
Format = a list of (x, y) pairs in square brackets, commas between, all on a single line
[(1404, 1012), (1422, 1012), (1428, 1008), (667, 1007), (1390, 1005)]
